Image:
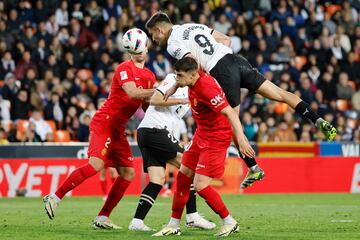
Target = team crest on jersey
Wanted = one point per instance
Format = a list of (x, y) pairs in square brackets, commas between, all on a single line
[(123, 75), (103, 151)]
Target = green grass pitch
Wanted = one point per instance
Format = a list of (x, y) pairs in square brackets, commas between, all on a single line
[(265, 216)]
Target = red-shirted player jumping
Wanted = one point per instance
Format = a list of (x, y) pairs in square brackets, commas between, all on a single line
[(108, 146), (205, 158)]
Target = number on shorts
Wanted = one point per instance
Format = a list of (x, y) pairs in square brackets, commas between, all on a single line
[(204, 42), (172, 138)]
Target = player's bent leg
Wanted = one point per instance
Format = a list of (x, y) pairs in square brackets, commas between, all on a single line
[(269, 90), (273, 92), (73, 180)]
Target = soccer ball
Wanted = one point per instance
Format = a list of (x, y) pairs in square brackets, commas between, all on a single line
[(135, 41)]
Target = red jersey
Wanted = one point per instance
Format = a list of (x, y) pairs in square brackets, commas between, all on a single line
[(119, 105), (207, 99)]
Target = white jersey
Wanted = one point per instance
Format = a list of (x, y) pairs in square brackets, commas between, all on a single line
[(198, 40), (166, 117)]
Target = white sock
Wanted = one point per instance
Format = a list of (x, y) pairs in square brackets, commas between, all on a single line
[(192, 215), (137, 221), (253, 168), (174, 222), (56, 198), (101, 218), (229, 220)]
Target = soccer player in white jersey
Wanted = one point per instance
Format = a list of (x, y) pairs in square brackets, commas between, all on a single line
[(211, 50), (155, 136)]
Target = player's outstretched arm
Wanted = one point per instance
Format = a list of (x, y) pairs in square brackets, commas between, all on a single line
[(244, 145), (138, 93), (157, 99), (222, 38)]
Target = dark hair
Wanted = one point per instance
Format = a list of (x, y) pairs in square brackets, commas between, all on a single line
[(186, 64), (158, 17)]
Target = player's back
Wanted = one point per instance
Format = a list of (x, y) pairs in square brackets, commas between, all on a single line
[(119, 104), (207, 100), (196, 39)]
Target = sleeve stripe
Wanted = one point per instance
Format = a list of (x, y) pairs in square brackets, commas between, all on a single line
[(212, 30), (160, 91), (186, 54)]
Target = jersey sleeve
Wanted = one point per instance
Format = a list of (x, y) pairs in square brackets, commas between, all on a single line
[(177, 49), (166, 84), (214, 97), (123, 75)]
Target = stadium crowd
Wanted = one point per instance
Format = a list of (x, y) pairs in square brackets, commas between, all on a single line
[(58, 58)]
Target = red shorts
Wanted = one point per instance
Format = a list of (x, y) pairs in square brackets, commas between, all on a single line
[(205, 159), (108, 142)]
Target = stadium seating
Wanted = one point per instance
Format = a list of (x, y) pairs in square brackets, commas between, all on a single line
[(62, 136)]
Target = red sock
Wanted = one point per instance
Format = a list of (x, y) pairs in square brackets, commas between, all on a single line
[(75, 179), (113, 179), (116, 193), (214, 200), (181, 195), (103, 185)]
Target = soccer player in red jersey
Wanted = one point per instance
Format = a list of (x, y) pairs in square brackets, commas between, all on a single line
[(108, 146), (205, 157)]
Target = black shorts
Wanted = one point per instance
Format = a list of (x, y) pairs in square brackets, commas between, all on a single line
[(157, 146), (234, 72)]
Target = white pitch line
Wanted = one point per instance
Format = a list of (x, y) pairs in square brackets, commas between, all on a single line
[(341, 221)]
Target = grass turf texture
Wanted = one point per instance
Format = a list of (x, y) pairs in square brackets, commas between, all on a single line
[(297, 216)]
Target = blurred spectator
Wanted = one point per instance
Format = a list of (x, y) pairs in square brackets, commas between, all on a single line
[(284, 133), (11, 87), (62, 14), (343, 88), (7, 64), (161, 66), (250, 127), (111, 9), (83, 132), (83, 36), (24, 65), (21, 106), (72, 122), (54, 110), (3, 138), (5, 106), (40, 97), (30, 134), (222, 25), (42, 128)]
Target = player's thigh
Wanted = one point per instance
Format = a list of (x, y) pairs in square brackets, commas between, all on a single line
[(121, 156), (212, 162), (100, 143), (157, 174), (175, 162), (190, 157)]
